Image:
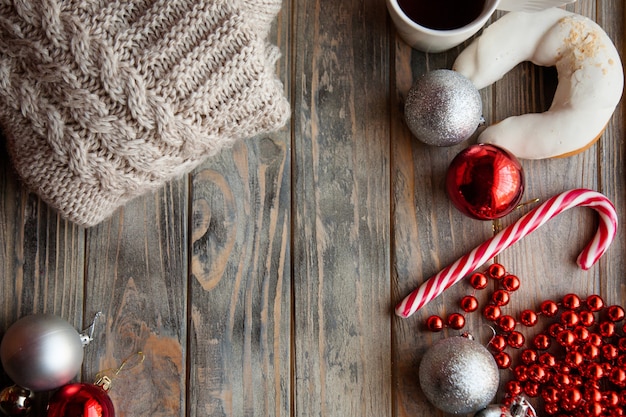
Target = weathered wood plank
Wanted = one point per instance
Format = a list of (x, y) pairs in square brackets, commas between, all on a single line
[(240, 291), (341, 210), (137, 276)]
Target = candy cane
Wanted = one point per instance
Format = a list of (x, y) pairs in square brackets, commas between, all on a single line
[(607, 228)]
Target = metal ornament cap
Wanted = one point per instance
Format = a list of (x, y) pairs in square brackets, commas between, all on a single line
[(41, 352), (459, 375)]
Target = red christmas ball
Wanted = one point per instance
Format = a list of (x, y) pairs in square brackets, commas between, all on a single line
[(485, 182), (80, 400)]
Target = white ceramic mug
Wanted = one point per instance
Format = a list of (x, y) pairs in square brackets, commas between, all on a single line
[(433, 40)]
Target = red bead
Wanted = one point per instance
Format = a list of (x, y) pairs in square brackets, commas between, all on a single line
[(537, 373), (529, 356), (571, 399), (516, 340), (582, 334), (510, 283), (610, 352), (521, 373), (595, 302), (590, 351), (496, 271), (513, 388), (542, 341), (434, 323), (594, 409), (503, 360), (618, 377), (621, 360), (469, 303), (492, 312), (594, 371), (574, 359), (610, 399), (547, 359), (592, 395), (569, 318), (587, 318), (479, 281), (456, 321), (498, 343), (549, 308), (616, 313), (550, 394), (621, 344), (531, 389), (528, 318), (555, 329), (552, 408), (561, 380), (500, 297), (571, 302), (607, 329), (506, 323), (595, 339), (566, 338)]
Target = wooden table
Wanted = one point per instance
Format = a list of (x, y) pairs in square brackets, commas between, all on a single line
[(263, 283)]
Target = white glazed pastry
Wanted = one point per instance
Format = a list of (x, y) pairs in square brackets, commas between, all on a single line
[(590, 80)]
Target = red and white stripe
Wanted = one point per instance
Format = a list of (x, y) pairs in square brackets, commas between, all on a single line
[(607, 229)]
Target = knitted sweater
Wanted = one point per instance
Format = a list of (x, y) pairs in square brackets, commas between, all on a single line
[(105, 100)]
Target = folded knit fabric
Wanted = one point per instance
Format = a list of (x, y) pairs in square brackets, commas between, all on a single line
[(105, 100)]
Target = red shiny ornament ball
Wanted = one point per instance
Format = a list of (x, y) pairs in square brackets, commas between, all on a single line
[(529, 356), (552, 408), (469, 303), (610, 352), (516, 340), (511, 283), (595, 302), (500, 297), (571, 301), (621, 344), (550, 394), (434, 323), (528, 318), (506, 323), (503, 360), (521, 373), (587, 318), (574, 359), (485, 182), (492, 312), (615, 313), (496, 271), (590, 351), (498, 343), (537, 373), (555, 329), (569, 318), (582, 334), (607, 329), (596, 340), (479, 281), (571, 399), (80, 400), (610, 399), (618, 377), (594, 371), (549, 308), (594, 409), (531, 389), (513, 388), (547, 359), (456, 321), (542, 341)]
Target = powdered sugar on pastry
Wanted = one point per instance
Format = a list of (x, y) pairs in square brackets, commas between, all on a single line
[(590, 80)]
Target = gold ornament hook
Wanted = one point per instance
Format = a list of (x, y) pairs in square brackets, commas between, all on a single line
[(105, 378)]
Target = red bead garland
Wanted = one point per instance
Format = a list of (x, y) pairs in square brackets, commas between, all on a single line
[(577, 366)]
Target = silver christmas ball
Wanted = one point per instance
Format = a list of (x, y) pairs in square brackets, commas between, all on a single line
[(443, 108), (493, 410), (41, 352), (458, 375)]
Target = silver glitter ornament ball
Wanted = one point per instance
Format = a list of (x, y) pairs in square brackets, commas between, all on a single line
[(443, 108), (41, 352), (458, 375)]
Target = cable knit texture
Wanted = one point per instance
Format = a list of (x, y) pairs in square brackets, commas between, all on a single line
[(104, 100)]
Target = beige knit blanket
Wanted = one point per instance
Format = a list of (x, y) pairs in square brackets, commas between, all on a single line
[(105, 100)]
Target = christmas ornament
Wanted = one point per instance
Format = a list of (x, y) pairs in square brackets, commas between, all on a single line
[(485, 182), (16, 401), (458, 375), (41, 352), (519, 408), (81, 400), (89, 400), (443, 108), (453, 273)]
